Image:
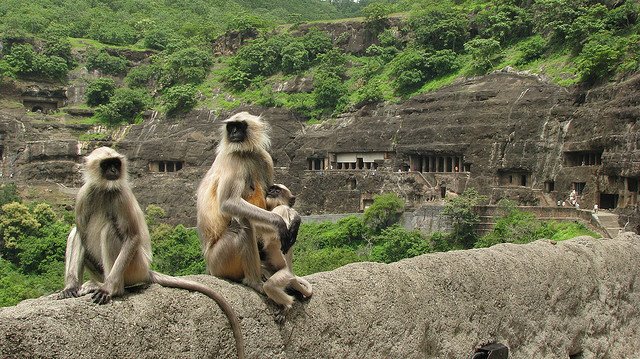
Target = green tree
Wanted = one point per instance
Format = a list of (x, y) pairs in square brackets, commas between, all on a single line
[(503, 22), (6, 71), (440, 27), (186, 66), (531, 49), (177, 251), (125, 106), (384, 212), (9, 193), (107, 64), (484, 53), (157, 39), (141, 76), (180, 98), (600, 56), (460, 210), (316, 42), (329, 91), (395, 243), (376, 15), (99, 91), (16, 221), (324, 259), (295, 57)]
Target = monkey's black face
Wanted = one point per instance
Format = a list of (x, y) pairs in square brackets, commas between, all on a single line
[(111, 168), (236, 131)]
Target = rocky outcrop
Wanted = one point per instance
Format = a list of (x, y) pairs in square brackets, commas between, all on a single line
[(510, 135), (576, 298)]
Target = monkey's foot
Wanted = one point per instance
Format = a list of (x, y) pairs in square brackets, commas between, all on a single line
[(68, 293), (100, 296), (281, 315), (257, 286)]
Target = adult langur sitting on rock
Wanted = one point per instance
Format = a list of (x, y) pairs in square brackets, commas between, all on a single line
[(111, 240), (231, 202)]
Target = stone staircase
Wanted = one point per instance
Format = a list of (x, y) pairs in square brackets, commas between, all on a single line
[(609, 221)]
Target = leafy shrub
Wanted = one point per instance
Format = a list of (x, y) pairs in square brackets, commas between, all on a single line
[(245, 24), (294, 57), (316, 42), (16, 221), (371, 92), (99, 91), (531, 49), (186, 66), (395, 243), (25, 61), (503, 22), (141, 76), (600, 56), (176, 251), (376, 15), (553, 18), (484, 52), (113, 32), (106, 64), (329, 91), (180, 98), (125, 106), (463, 217), (384, 212), (324, 259), (413, 67), (9, 193), (6, 71), (61, 48), (157, 39), (440, 27)]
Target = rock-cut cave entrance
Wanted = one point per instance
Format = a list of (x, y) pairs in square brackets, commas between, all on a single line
[(608, 201)]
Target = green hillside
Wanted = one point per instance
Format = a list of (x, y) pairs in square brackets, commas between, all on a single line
[(416, 47)]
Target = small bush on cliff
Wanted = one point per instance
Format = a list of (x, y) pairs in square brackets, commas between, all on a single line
[(25, 61), (106, 64), (99, 91), (181, 98), (126, 105)]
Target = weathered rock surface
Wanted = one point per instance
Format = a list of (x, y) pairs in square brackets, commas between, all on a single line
[(519, 136), (542, 300)]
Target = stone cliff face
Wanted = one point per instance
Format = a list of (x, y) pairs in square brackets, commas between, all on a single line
[(509, 135)]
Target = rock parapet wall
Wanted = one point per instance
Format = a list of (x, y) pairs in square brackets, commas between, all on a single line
[(542, 300)]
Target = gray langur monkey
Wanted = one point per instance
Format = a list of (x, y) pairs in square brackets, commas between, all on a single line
[(278, 258), (232, 201), (111, 240)]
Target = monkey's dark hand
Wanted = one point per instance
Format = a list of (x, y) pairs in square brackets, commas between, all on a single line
[(285, 236), (100, 296), (69, 293), (293, 234)]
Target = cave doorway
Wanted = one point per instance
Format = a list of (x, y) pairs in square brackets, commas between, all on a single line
[(608, 201)]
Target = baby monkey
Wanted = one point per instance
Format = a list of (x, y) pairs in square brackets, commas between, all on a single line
[(111, 240), (276, 260)]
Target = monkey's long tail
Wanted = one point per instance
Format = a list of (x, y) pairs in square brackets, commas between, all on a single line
[(173, 282)]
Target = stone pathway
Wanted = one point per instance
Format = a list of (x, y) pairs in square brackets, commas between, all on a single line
[(610, 222)]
